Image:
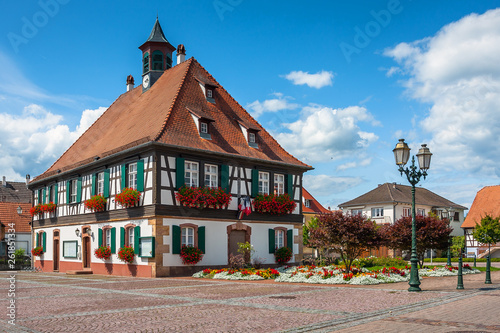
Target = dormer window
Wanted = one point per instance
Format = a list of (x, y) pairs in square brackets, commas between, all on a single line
[(307, 203), (252, 139), (202, 120), (203, 127), (209, 91)]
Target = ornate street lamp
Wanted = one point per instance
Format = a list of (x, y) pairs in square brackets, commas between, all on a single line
[(402, 154)]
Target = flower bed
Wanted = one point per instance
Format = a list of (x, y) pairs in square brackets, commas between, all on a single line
[(128, 197), (330, 274), (203, 197), (237, 274), (276, 205), (97, 203)]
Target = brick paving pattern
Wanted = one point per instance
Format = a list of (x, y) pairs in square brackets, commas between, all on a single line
[(50, 302)]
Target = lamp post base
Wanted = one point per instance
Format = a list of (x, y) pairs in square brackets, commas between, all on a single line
[(414, 280)]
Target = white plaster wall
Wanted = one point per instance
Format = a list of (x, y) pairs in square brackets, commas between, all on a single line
[(216, 241)]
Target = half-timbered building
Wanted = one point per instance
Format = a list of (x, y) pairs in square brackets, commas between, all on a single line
[(179, 128)]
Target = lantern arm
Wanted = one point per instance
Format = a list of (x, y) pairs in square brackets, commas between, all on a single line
[(413, 174)]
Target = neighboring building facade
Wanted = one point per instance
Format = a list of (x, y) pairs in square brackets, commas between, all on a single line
[(390, 201), (15, 204), (310, 208), (179, 128), (486, 202)]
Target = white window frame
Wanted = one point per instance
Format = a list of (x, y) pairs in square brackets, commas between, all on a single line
[(73, 188), (406, 211), (132, 175), (100, 183), (209, 93), (251, 137), (279, 184), (307, 203), (187, 236), (191, 174), (420, 211), (107, 237), (377, 212), (130, 236), (203, 127), (263, 182), (279, 239), (211, 175)]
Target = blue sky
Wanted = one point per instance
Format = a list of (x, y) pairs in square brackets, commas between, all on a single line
[(337, 83)]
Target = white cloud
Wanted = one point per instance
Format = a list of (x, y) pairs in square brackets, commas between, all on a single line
[(458, 72), (33, 140), (322, 185), (318, 80), (280, 103), (324, 133), (354, 164)]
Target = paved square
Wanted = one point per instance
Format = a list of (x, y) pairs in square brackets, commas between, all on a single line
[(51, 302)]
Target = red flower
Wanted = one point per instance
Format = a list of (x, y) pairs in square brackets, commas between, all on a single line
[(203, 197), (126, 254), (96, 204), (274, 204), (191, 255), (103, 252), (37, 251), (128, 197)]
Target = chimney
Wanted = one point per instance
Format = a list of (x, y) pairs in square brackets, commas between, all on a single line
[(130, 82), (27, 179), (181, 53), (4, 181)]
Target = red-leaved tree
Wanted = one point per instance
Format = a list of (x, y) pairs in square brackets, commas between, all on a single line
[(348, 235), (432, 234)]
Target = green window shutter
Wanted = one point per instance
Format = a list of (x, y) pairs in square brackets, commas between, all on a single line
[(44, 241), (79, 189), (44, 194), (106, 183), (40, 196), (224, 178), (99, 237), (124, 176), (153, 245), (68, 190), (37, 239), (179, 173), (56, 193), (272, 240), (113, 240), (137, 235), (122, 237), (140, 175), (201, 239), (94, 184), (289, 239), (255, 184), (289, 185), (176, 239)]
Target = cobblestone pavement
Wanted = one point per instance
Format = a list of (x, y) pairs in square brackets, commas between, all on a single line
[(51, 302)]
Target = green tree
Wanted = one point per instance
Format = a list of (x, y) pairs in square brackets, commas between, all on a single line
[(457, 244), (348, 235), (488, 232)]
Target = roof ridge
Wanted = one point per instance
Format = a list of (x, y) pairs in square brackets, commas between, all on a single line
[(252, 118), (174, 100)]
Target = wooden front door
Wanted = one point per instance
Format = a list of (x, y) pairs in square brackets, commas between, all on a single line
[(56, 254), (235, 237), (86, 252)]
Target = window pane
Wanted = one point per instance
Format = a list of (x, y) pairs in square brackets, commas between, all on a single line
[(191, 174), (211, 175)]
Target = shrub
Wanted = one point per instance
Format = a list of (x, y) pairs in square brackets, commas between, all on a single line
[(126, 254), (128, 197), (237, 261), (191, 255), (103, 252), (96, 204), (382, 261), (283, 255)]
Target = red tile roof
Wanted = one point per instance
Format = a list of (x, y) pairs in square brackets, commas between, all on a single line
[(161, 114), (8, 214), (314, 205), (487, 201)]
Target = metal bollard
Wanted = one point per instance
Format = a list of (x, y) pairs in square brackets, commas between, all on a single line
[(488, 265), (460, 282), (474, 260)]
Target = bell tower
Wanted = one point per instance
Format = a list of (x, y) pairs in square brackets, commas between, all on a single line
[(156, 56)]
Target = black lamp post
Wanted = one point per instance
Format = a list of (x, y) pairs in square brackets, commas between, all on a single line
[(402, 154)]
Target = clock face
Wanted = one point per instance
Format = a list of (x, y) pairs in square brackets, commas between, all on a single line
[(145, 81)]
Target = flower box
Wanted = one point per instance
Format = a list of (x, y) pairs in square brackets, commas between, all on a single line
[(37, 251), (103, 252), (126, 254), (36, 210), (40, 209), (128, 197), (203, 197), (274, 204), (191, 255), (97, 203)]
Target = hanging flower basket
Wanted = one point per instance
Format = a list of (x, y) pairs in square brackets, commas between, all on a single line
[(203, 197), (103, 252), (97, 203), (37, 251), (274, 204), (36, 210), (191, 255), (283, 255), (128, 197), (126, 254)]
